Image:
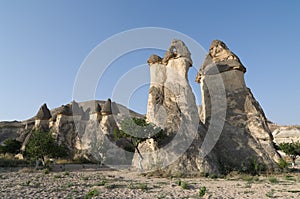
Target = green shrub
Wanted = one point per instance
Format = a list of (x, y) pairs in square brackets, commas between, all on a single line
[(11, 146), (291, 149), (85, 178), (57, 176), (184, 185), (46, 171), (42, 144), (282, 163), (270, 194), (142, 186), (66, 173), (273, 180), (27, 183), (111, 186), (202, 191), (291, 178), (178, 182), (102, 182), (91, 194)]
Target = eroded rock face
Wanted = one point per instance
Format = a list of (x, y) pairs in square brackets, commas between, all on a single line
[(81, 127), (172, 106), (170, 95), (287, 134), (245, 137), (219, 53), (43, 113)]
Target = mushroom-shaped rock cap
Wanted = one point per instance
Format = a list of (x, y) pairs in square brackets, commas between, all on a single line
[(106, 108), (98, 108), (153, 59), (176, 50), (43, 113), (219, 55), (65, 110), (76, 109)]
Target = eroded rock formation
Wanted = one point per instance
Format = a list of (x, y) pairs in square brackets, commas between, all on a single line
[(245, 138), (172, 106)]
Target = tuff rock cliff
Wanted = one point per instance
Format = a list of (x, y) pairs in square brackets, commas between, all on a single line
[(84, 128), (283, 133), (172, 106)]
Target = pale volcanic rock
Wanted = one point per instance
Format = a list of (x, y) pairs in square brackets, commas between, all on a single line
[(172, 106), (286, 134), (245, 137)]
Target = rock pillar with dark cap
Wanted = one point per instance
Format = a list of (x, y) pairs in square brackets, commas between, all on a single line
[(245, 139), (172, 106), (106, 108), (42, 118)]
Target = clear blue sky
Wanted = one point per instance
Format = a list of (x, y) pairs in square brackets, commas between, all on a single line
[(43, 44)]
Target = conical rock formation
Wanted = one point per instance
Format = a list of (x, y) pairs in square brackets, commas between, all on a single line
[(245, 139)]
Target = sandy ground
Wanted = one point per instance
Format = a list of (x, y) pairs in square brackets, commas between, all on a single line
[(85, 181)]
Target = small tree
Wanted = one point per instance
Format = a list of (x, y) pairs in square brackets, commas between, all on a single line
[(10, 146), (137, 130), (42, 144), (291, 149)]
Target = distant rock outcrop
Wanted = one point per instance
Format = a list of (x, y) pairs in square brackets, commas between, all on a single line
[(85, 128), (245, 138), (42, 118), (43, 113), (106, 109), (287, 134)]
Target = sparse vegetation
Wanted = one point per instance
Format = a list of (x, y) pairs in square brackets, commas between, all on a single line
[(273, 180), (183, 184), (27, 183), (137, 130), (57, 176), (270, 194), (111, 186), (11, 146), (282, 164), (142, 186), (290, 178), (102, 182), (46, 171), (85, 178), (202, 191), (41, 145), (91, 194), (291, 149)]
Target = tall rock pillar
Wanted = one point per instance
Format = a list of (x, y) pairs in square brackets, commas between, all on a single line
[(172, 106), (246, 139)]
